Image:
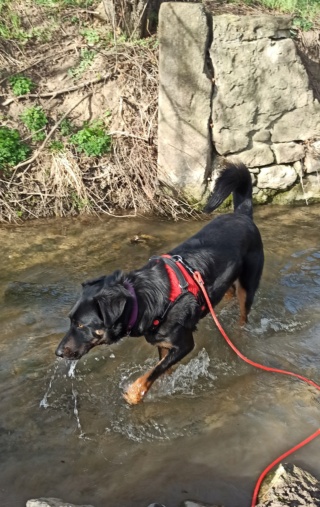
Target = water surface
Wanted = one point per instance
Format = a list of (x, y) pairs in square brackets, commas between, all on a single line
[(206, 431)]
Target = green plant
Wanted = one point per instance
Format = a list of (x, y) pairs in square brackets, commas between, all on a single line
[(302, 23), (86, 59), (12, 149), (91, 35), (79, 203), (92, 139), (21, 85), (56, 146), (10, 25), (304, 10), (66, 127), (35, 120)]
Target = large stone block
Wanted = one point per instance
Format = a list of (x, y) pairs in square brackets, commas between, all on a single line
[(184, 97), (300, 124), (261, 84), (288, 152), (277, 177), (259, 155)]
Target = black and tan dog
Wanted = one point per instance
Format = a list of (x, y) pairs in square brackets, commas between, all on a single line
[(161, 300)]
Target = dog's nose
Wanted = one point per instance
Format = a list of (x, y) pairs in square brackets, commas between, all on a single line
[(59, 351)]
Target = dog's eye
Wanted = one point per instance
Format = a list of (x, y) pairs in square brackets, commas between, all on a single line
[(99, 332), (80, 325)]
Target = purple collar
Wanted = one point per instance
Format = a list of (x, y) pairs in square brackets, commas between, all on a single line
[(134, 312)]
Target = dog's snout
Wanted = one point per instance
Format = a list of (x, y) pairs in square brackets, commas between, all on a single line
[(59, 351)]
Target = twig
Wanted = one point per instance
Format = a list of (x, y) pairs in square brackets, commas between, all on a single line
[(127, 134), (54, 128), (47, 57), (58, 92)]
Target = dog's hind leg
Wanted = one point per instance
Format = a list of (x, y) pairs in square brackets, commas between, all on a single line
[(231, 292), (248, 283), (242, 298), (183, 344)]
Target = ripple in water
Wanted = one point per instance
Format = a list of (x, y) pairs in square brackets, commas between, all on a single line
[(150, 421)]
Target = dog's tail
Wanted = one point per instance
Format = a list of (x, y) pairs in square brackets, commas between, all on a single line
[(235, 178)]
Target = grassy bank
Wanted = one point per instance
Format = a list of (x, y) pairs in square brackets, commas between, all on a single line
[(78, 125)]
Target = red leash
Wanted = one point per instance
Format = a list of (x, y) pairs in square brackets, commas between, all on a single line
[(199, 280)]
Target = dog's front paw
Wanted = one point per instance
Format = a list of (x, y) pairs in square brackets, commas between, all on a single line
[(135, 393)]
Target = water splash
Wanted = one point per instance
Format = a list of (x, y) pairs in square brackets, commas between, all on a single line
[(73, 365), (185, 379), (44, 402), (76, 413)]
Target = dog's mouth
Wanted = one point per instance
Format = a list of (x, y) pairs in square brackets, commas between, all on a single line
[(67, 352)]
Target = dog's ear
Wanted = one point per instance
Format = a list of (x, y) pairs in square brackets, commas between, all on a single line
[(112, 303), (93, 281)]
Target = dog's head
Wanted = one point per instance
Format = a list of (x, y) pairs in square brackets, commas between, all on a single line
[(99, 316)]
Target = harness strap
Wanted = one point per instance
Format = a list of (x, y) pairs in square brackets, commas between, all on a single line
[(181, 282)]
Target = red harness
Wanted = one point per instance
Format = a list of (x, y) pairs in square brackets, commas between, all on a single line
[(175, 287), (181, 282)]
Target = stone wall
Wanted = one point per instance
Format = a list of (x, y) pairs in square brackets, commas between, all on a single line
[(235, 87)]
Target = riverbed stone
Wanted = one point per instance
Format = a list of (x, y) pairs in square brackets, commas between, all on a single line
[(185, 86), (286, 153), (276, 177), (291, 486), (191, 503), (52, 502)]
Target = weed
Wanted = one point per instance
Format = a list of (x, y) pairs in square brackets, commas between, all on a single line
[(91, 35), (304, 10), (92, 139), (56, 146), (78, 203), (35, 120), (10, 24), (12, 149), (21, 85), (66, 127), (64, 3), (86, 60), (302, 23)]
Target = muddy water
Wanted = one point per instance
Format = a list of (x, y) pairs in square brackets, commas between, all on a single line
[(206, 431)]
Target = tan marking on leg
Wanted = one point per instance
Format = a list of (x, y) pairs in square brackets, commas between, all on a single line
[(137, 391), (163, 352), (242, 297), (231, 292)]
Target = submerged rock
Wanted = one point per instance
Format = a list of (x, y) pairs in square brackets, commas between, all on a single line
[(286, 486), (290, 486), (51, 502)]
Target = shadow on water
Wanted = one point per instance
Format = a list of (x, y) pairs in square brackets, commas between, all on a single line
[(204, 432)]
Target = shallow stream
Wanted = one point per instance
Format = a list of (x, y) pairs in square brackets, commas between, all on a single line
[(203, 433)]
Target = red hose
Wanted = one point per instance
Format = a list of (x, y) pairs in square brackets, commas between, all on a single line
[(199, 280)]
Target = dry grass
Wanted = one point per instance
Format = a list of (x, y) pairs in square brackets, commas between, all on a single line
[(124, 182)]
